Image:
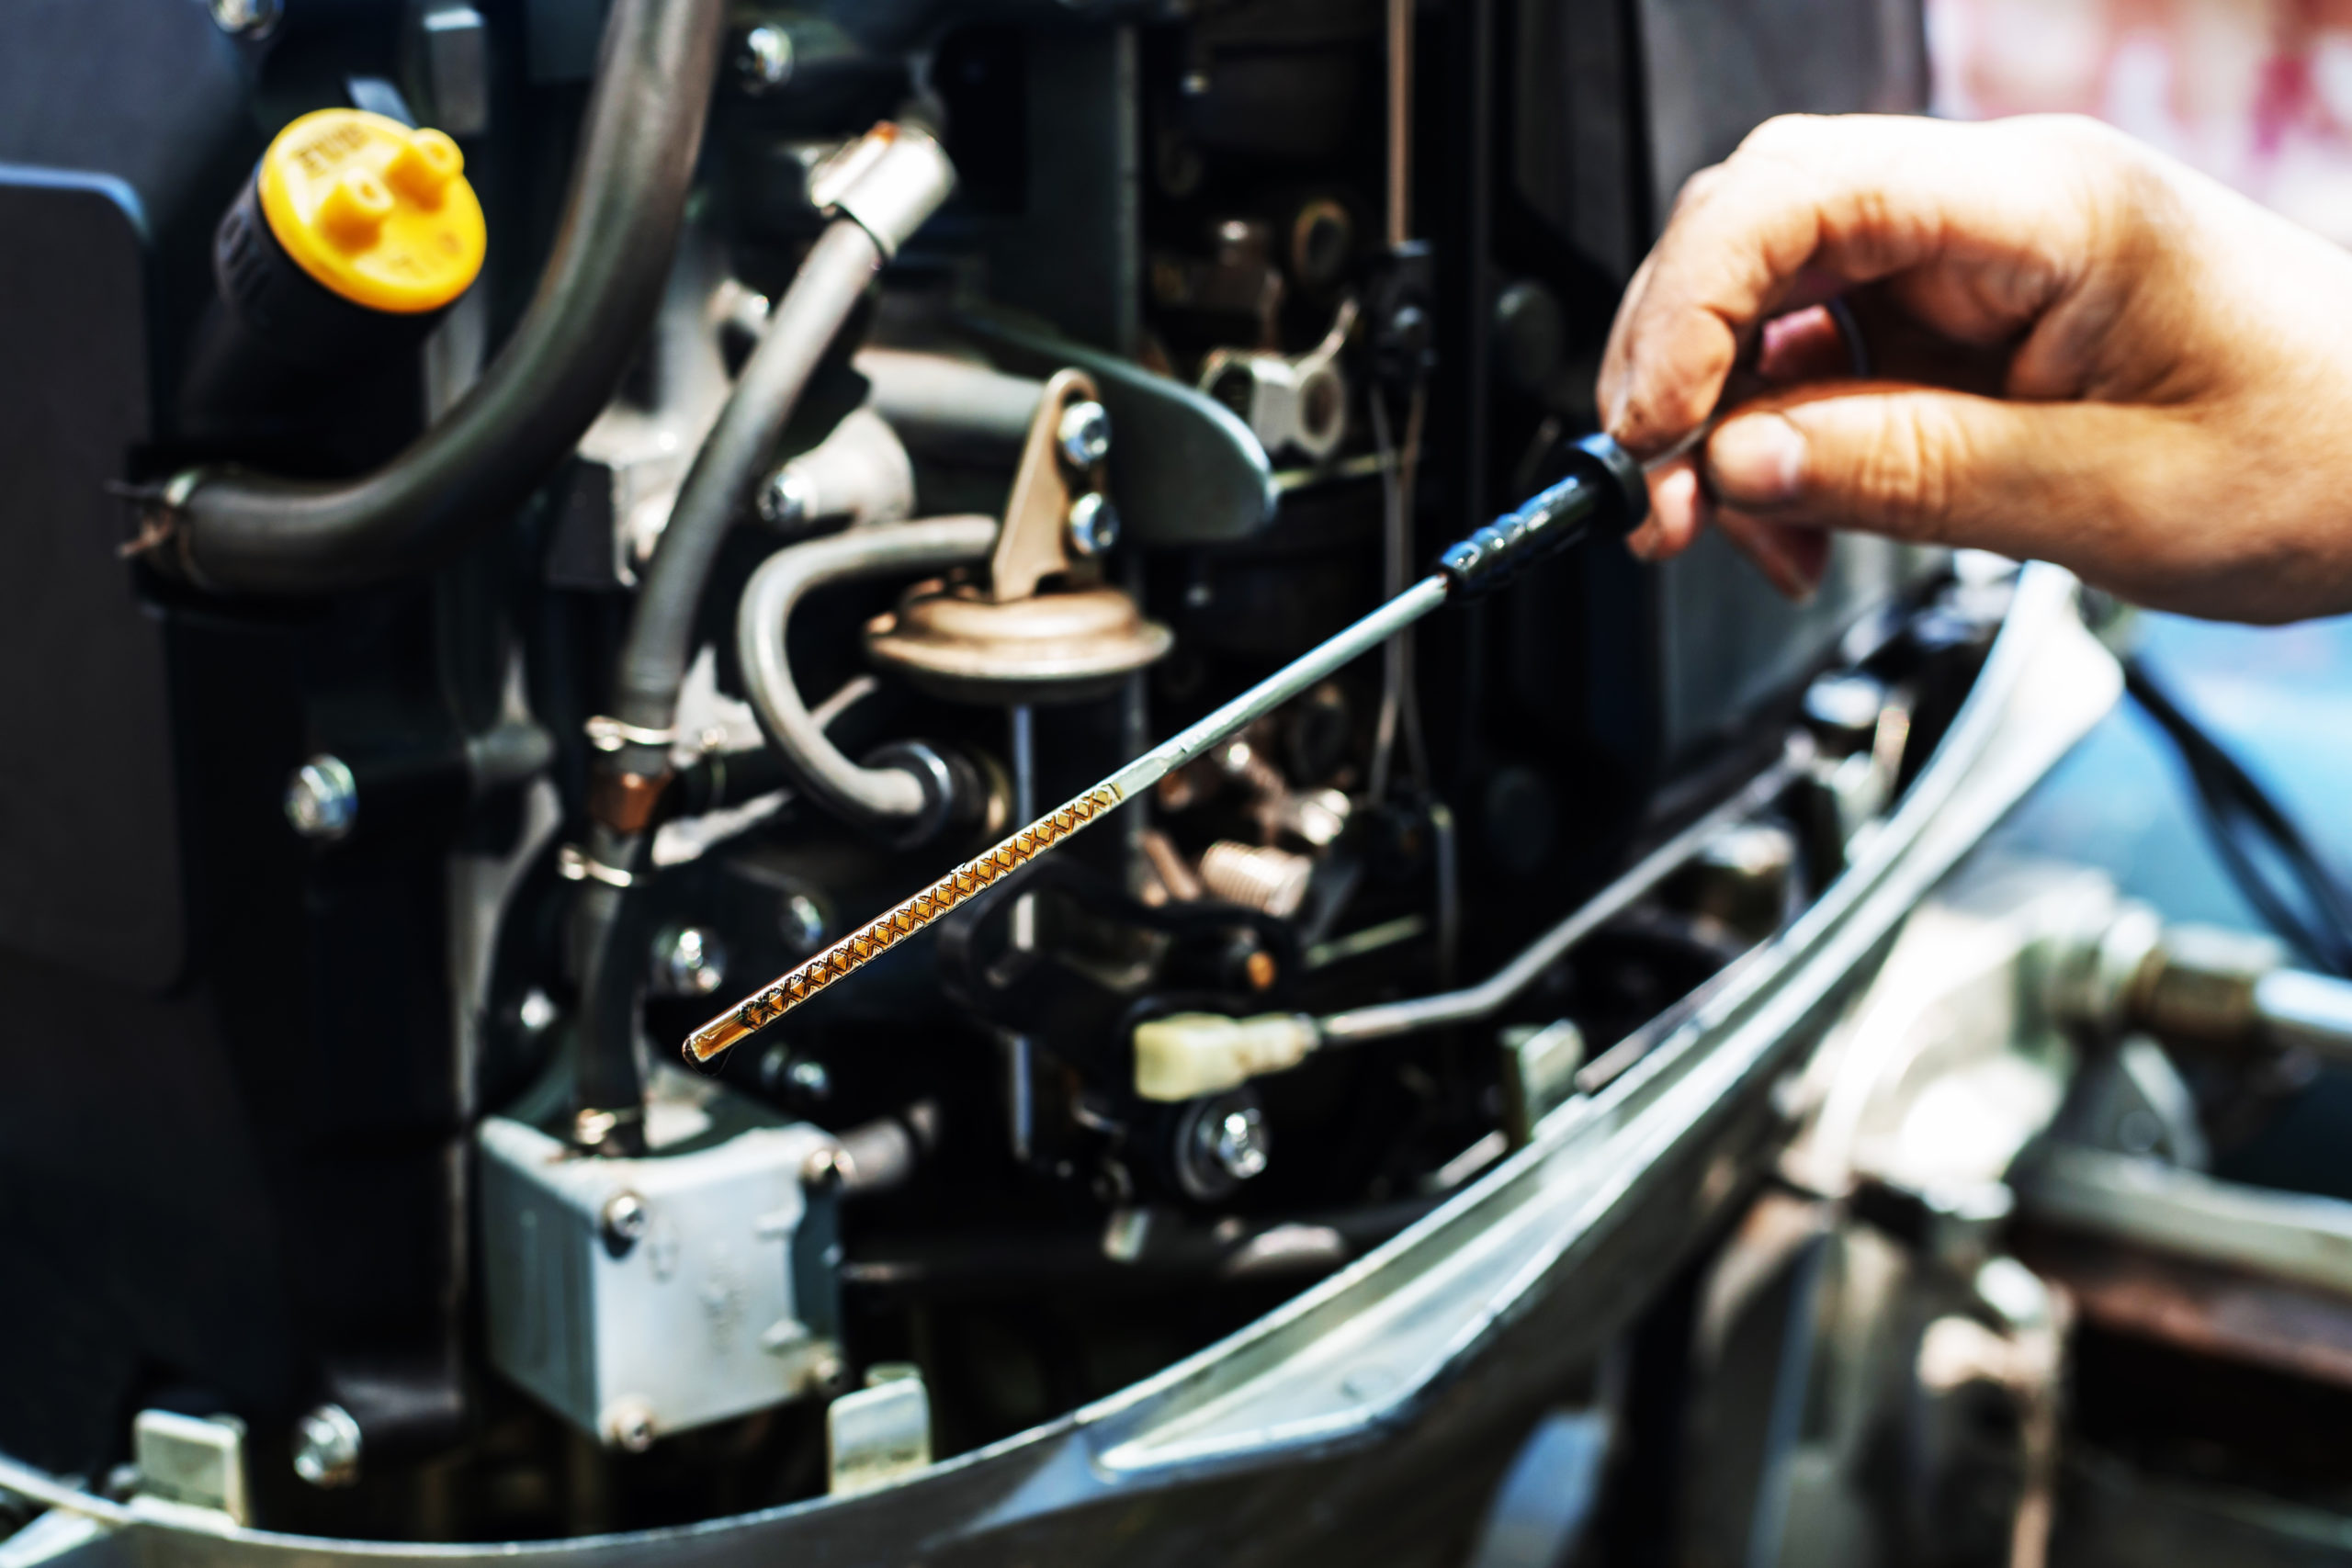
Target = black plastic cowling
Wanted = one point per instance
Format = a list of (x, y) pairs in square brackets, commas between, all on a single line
[(1605, 490)]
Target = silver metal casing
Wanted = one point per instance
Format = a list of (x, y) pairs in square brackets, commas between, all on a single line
[(693, 1318)]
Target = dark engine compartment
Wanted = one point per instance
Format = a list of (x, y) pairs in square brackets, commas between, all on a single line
[(256, 1059)]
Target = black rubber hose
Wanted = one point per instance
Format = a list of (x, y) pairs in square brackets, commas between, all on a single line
[(726, 469), (608, 945), (246, 533), (2312, 909)]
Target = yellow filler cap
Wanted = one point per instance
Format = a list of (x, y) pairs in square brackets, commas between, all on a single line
[(380, 213)]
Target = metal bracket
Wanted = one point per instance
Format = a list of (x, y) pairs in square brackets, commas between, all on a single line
[(1034, 544)]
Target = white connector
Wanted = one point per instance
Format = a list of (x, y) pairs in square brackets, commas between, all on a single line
[(1188, 1055)]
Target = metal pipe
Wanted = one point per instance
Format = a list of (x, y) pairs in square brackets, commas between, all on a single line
[(950, 407), (884, 188), (1020, 1050), (1388, 1019), (889, 797), (246, 533), (719, 489)]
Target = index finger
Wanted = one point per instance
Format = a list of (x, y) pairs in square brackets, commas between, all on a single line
[(2000, 208)]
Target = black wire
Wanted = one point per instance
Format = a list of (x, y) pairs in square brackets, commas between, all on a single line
[(2244, 824)]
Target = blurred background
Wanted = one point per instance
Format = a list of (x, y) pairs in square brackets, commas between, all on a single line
[(2255, 93)]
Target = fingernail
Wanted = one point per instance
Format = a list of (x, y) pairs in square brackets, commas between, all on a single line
[(1642, 543), (1756, 460)]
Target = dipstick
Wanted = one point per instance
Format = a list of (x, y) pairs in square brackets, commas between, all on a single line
[(1605, 489)]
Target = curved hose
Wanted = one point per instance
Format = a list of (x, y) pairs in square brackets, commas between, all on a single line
[(727, 472), (254, 534), (885, 797)]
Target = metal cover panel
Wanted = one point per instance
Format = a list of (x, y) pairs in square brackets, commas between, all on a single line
[(89, 848)]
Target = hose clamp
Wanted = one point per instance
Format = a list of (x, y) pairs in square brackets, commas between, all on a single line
[(941, 797), (886, 181), (606, 733)]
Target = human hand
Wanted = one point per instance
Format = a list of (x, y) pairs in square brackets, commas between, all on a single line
[(2085, 353)]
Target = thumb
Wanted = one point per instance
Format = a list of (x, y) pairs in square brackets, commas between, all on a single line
[(1913, 463)]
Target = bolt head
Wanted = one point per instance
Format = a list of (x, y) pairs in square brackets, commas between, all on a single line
[(764, 59), (246, 18), (326, 1447), (323, 800), (537, 1012), (1240, 1144), (628, 1425), (1084, 434), (626, 1221), (1093, 525), (785, 501), (1222, 1142), (688, 962)]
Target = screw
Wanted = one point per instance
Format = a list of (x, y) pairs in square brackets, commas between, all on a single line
[(1084, 434), (785, 499), (626, 1221), (762, 60), (810, 1078), (1093, 525), (322, 799), (688, 962), (1240, 1143), (246, 18), (629, 1424), (326, 1441)]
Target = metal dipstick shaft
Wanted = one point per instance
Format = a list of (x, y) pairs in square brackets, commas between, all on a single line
[(1605, 487)]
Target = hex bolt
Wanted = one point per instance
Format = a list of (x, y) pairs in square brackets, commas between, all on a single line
[(688, 962), (326, 1443), (626, 1221), (1093, 525), (764, 59), (322, 799), (246, 18), (1084, 434)]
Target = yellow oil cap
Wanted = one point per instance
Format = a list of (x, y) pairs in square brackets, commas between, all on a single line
[(380, 214)]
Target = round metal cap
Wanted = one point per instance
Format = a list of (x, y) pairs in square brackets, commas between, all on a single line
[(1055, 648)]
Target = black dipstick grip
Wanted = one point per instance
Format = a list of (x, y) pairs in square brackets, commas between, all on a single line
[(1604, 489)]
